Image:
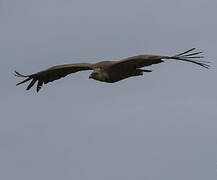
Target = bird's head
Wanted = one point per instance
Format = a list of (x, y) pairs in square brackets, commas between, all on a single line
[(98, 74), (94, 75)]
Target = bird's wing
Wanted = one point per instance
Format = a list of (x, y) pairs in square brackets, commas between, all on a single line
[(136, 62), (147, 60), (52, 74)]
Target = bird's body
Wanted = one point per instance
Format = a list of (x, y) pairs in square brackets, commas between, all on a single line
[(108, 71)]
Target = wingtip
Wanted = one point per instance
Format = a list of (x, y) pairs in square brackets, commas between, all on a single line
[(185, 52), (192, 49), (19, 74), (15, 73), (38, 89)]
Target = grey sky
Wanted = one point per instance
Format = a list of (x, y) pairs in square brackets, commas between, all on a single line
[(162, 126)]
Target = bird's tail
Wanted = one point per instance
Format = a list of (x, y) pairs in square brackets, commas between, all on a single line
[(187, 56)]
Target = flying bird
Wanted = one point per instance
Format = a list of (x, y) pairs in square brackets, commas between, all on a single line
[(109, 71)]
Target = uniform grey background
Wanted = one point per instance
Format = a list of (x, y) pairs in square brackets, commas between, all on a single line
[(162, 126)]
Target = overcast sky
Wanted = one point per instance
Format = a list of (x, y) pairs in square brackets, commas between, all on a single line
[(162, 126)]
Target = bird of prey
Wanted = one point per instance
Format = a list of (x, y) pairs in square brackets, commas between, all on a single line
[(109, 71)]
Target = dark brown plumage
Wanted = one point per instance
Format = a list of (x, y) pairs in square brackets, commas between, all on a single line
[(108, 71)]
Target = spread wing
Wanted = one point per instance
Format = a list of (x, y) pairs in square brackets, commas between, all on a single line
[(147, 60), (52, 74)]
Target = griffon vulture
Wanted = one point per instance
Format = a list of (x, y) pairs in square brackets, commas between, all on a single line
[(109, 71)]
